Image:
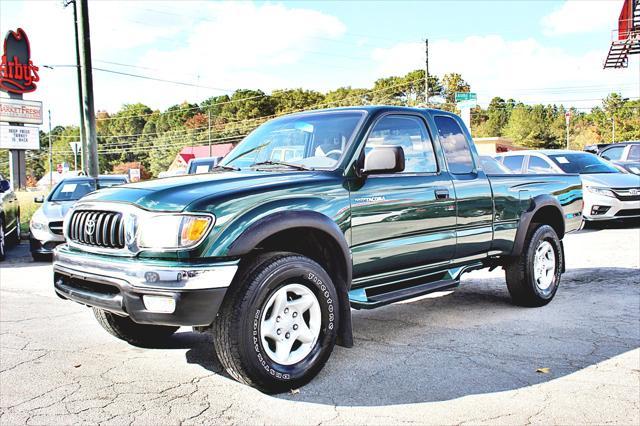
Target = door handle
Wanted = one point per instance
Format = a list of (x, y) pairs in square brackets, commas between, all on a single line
[(442, 194)]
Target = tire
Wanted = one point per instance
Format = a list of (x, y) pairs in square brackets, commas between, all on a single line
[(525, 287), (15, 237), (247, 345), (3, 242), (124, 328), (41, 257)]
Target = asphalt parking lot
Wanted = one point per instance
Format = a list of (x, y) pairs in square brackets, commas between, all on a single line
[(465, 357)]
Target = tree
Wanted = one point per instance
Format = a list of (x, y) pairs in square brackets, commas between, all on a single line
[(452, 83), (295, 100)]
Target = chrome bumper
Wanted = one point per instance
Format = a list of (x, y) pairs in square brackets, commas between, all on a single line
[(122, 285), (145, 274)]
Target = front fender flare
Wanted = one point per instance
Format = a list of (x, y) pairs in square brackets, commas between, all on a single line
[(282, 221)]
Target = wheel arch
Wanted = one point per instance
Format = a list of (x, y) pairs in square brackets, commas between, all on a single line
[(544, 209), (311, 234)]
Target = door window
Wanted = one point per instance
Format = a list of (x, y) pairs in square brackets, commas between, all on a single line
[(634, 153), (455, 145), (514, 163), (613, 153), (538, 165), (410, 134)]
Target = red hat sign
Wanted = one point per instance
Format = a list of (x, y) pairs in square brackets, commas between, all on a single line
[(17, 72)]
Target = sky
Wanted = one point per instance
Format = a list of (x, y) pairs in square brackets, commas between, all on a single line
[(541, 51)]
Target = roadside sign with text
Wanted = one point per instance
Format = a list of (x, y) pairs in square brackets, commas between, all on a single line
[(18, 74), (134, 175), (20, 111), (19, 137), (567, 117), (466, 96)]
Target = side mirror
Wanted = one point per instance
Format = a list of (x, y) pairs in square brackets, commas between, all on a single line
[(39, 199), (384, 159), (4, 185)]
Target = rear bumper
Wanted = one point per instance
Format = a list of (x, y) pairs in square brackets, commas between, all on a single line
[(120, 285)]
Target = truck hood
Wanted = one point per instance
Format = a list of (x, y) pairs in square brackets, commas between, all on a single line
[(611, 180), (176, 193)]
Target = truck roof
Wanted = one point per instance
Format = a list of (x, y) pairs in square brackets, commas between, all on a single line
[(378, 108)]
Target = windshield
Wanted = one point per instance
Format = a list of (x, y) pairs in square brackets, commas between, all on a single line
[(76, 189), (583, 163), (316, 140)]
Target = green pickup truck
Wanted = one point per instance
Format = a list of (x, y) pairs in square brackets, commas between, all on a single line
[(311, 215)]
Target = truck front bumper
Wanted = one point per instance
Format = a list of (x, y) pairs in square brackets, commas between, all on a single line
[(149, 291)]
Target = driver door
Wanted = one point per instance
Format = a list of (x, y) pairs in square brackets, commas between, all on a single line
[(406, 219)]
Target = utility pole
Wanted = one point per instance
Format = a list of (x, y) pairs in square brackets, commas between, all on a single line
[(87, 90), (613, 130), (83, 133), (50, 155), (426, 71), (210, 133)]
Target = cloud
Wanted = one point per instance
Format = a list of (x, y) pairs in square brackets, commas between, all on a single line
[(225, 45), (575, 17), (523, 69)]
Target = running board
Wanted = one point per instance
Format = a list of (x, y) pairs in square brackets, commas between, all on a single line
[(360, 300)]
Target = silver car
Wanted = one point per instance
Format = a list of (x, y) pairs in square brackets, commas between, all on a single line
[(45, 228)]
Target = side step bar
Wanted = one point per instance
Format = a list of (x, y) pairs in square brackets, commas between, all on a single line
[(360, 300)]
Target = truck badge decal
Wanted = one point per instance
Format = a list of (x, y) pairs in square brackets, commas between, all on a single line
[(90, 227)]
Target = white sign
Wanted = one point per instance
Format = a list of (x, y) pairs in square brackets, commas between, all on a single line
[(19, 137), (470, 103), (20, 111), (134, 175)]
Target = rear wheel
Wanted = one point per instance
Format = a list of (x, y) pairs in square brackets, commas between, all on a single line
[(124, 328), (278, 324), (533, 278)]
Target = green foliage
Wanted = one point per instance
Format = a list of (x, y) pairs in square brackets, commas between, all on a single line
[(136, 133)]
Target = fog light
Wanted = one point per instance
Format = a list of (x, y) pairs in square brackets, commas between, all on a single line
[(159, 304), (596, 210)]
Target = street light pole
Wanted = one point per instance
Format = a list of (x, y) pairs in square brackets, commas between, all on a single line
[(83, 133), (87, 89)]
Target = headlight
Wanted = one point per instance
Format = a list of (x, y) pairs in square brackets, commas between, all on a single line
[(173, 231), (600, 191), (38, 221)]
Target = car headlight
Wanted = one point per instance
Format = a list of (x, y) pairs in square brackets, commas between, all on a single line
[(173, 231), (600, 191), (38, 221)]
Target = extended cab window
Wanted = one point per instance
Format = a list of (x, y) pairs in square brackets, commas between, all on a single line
[(614, 153), (409, 133), (514, 163), (455, 145), (538, 165)]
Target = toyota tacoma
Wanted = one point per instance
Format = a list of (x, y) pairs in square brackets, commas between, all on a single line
[(311, 215)]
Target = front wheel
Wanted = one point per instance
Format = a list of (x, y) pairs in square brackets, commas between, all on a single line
[(278, 324), (124, 328), (533, 278)]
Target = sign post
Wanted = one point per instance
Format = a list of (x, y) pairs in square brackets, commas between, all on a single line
[(76, 147), (465, 102), (567, 119)]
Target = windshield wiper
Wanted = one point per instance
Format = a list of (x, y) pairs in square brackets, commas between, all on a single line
[(226, 167), (281, 163)]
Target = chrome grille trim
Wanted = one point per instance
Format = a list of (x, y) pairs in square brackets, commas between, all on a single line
[(103, 235)]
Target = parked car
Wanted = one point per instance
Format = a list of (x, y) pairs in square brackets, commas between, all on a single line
[(608, 192), (492, 166), (381, 204), (624, 155), (9, 217), (202, 165), (45, 228)]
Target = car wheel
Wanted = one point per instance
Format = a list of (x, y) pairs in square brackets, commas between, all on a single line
[(3, 246), (534, 277), (144, 335), (277, 326)]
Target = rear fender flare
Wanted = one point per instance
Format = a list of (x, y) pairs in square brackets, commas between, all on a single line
[(537, 203)]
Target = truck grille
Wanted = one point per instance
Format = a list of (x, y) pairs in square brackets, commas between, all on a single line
[(97, 228)]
